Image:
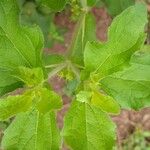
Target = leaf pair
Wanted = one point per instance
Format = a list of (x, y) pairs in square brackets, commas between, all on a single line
[(35, 119), (42, 99), (125, 36)]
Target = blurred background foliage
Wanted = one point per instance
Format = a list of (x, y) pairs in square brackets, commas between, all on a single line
[(34, 12)]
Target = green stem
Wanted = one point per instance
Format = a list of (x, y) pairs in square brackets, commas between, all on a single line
[(56, 70), (79, 66), (76, 33), (84, 3), (51, 66), (74, 70)]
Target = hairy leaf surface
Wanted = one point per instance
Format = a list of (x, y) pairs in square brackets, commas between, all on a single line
[(48, 137), (48, 100), (21, 134), (87, 127), (32, 131), (12, 105), (105, 103), (43, 99), (125, 36), (20, 45), (130, 87), (142, 56), (30, 77)]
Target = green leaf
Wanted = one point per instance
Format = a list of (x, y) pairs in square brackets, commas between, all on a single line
[(131, 18), (48, 100), (44, 100), (52, 59), (21, 134), (91, 2), (130, 87), (54, 5), (84, 96), (12, 105), (142, 56), (115, 7), (85, 31), (20, 45), (105, 103), (31, 77), (32, 131), (88, 128), (8, 83), (125, 36), (48, 137)]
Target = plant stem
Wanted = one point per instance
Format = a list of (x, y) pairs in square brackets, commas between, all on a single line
[(84, 3), (75, 36), (74, 70), (57, 69), (51, 66)]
